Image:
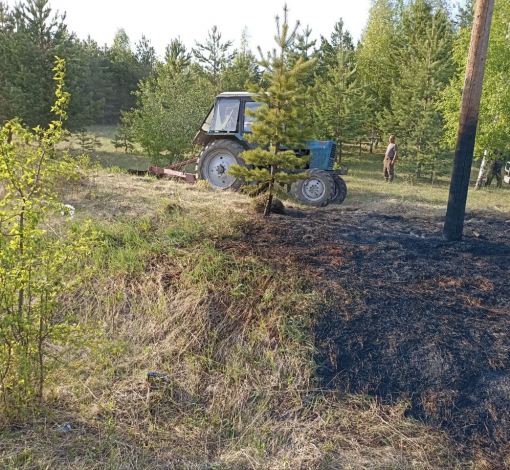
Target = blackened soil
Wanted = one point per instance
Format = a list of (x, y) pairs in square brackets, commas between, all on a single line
[(408, 315)]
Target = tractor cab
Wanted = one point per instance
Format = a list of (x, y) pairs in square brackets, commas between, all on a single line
[(227, 118)]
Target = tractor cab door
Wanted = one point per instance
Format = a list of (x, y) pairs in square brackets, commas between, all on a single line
[(223, 118), (227, 116)]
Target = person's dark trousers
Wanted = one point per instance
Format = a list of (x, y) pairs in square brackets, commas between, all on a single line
[(499, 181)]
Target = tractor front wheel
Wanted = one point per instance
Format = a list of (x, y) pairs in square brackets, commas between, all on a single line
[(317, 189), (214, 162), (340, 190)]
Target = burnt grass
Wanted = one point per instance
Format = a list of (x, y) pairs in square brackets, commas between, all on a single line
[(408, 316)]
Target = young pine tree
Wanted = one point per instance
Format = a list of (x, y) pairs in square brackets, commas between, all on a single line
[(341, 105), (123, 138), (85, 141), (215, 57), (279, 120), (427, 69)]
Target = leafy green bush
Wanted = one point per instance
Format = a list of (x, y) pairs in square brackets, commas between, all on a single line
[(39, 243)]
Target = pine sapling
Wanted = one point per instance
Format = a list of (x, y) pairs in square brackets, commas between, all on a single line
[(278, 125)]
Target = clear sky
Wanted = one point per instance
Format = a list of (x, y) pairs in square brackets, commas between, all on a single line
[(163, 20)]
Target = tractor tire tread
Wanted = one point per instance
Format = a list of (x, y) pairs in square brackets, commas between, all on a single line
[(340, 190), (329, 185)]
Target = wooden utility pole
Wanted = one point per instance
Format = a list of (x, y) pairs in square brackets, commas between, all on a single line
[(454, 222)]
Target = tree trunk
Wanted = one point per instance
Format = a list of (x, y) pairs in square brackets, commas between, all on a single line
[(21, 244), (482, 172), (269, 201), (471, 95), (40, 355), (417, 172)]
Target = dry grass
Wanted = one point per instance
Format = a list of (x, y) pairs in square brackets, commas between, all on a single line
[(366, 188), (175, 293), (408, 195)]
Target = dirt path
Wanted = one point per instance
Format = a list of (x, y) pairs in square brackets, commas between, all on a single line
[(409, 316)]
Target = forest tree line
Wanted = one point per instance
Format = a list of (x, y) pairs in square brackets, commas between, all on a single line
[(403, 77)]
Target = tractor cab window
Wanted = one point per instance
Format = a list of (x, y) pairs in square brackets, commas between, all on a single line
[(249, 120), (226, 113), (206, 125)]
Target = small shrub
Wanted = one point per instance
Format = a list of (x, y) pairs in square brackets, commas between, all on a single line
[(38, 245)]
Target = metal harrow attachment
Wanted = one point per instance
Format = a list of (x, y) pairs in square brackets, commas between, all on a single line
[(171, 171)]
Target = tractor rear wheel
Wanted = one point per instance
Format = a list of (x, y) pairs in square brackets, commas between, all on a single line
[(340, 190), (215, 160), (317, 189)]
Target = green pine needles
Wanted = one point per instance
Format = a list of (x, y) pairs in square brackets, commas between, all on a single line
[(279, 121)]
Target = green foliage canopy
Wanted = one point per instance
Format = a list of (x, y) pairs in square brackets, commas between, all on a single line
[(170, 109), (494, 115)]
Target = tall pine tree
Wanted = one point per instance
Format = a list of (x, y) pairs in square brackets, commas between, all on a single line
[(341, 105), (243, 69), (177, 58), (426, 40), (328, 51), (377, 55)]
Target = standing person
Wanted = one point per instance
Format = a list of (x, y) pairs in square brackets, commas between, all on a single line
[(390, 157), (496, 166)]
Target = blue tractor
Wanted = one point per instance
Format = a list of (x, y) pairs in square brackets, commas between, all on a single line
[(222, 136)]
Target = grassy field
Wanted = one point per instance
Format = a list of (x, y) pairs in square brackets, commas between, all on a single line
[(106, 154), (366, 186), (368, 189), (171, 290)]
